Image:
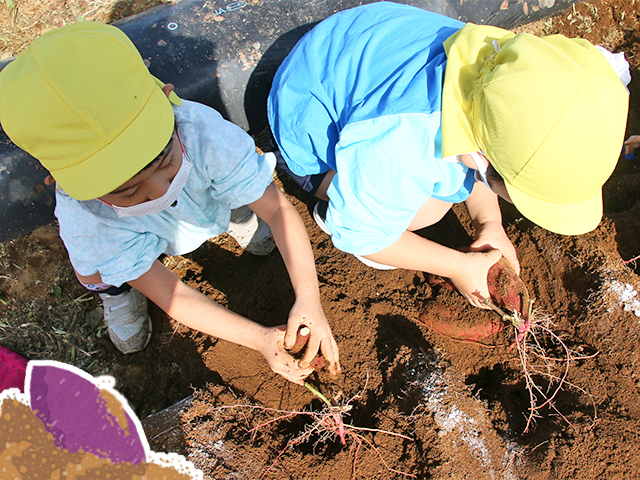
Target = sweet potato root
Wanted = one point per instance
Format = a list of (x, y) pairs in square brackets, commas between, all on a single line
[(301, 340)]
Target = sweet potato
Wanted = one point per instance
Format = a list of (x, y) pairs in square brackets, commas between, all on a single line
[(318, 363), (507, 289), (301, 340), (442, 320)]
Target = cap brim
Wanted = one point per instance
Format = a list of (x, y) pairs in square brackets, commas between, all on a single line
[(565, 219), (142, 141)]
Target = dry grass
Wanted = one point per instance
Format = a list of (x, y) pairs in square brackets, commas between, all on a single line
[(28, 19), (44, 312)]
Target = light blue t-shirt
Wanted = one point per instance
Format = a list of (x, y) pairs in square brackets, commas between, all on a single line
[(227, 173), (361, 94)]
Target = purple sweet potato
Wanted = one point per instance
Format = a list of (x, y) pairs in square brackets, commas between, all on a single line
[(507, 291), (74, 411), (318, 363)]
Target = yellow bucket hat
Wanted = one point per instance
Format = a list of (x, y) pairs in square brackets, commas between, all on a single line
[(81, 100), (548, 112)]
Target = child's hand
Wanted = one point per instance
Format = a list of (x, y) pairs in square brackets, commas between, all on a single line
[(631, 144), (492, 236), (470, 276), (309, 312), (281, 361)]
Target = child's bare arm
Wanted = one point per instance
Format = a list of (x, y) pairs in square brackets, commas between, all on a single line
[(197, 311), (485, 213), (467, 270), (293, 243)]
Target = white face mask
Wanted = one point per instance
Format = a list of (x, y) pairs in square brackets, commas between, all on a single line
[(163, 202), (167, 200)]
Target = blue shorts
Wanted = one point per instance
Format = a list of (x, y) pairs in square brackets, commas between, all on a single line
[(309, 183)]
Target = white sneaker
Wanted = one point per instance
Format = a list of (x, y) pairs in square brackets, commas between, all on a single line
[(127, 320), (251, 233), (319, 215)]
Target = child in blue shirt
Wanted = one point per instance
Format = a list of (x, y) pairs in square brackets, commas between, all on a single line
[(392, 113), (141, 173)]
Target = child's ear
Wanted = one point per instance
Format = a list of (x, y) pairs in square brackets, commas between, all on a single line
[(167, 89), (49, 180)]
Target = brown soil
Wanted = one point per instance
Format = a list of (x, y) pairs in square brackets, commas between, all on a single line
[(463, 406)]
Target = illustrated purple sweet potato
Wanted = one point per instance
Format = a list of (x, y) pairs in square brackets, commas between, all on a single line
[(73, 409)]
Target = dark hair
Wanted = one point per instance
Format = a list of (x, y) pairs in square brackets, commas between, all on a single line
[(160, 155)]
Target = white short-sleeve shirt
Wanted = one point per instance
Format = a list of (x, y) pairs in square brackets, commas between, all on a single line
[(227, 173)]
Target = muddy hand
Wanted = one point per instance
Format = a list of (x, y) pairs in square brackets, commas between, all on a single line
[(319, 340), (279, 359), (492, 236), (470, 277)]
